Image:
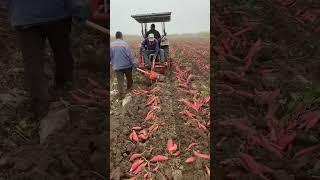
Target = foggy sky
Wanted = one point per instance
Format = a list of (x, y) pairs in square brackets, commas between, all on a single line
[(188, 16)]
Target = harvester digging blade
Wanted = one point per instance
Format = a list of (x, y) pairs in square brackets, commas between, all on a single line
[(154, 76)]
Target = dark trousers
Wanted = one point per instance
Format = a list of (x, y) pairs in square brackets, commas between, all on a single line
[(32, 43), (120, 79)]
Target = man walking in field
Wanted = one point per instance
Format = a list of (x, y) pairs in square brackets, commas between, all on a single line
[(36, 21), (122, 62)]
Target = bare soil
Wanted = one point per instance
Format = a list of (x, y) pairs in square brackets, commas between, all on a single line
[(171, 125)]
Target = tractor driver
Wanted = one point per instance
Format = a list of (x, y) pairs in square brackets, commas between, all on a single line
[(154, 31), (151, 46)]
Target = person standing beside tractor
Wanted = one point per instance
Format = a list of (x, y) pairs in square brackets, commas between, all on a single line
[(150, 46), (122, 62), (38, 20)]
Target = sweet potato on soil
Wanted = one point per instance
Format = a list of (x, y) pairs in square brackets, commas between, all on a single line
[(306, 151), (201, 126), (185, 86), (137, 128), (188, 114), (136, 164), (190, 146), (310, 119), (149, 116), (153, 128), (134, 136), (135, 156), (158, 158), (252, 53), (252, 166), (190, 160), (144, 137), (139, 168), (191, 92), (204, 156)]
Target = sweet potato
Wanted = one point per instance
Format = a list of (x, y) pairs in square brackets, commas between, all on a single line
[(153, 128), (134, 136), (136, 164), (137, 128), (187, 113), (135, 156), (252, 166), (139, 168), (190, 146), (190, 160), (144, 137), (173, 148), (306, 151), (310, 119), (158, 158), (149, 116), (204, 156), (177, 153), (170, 143)]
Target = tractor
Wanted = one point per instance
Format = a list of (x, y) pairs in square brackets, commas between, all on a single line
[(155, 64)]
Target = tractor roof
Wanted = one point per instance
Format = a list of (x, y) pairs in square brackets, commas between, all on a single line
[(153, 17)]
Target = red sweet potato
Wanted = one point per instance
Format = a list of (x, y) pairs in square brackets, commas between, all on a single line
[(204, 156), (135, 156), (158, 158), (190, 160), (136, 164)]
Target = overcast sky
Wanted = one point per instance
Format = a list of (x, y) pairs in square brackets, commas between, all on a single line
[(188, 16)]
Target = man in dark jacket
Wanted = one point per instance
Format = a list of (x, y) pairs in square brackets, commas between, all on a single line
[(36, 21), (154, 31)]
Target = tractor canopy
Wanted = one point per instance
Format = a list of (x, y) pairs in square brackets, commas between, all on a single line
[(153, 17)]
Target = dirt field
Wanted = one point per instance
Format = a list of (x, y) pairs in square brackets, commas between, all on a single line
[(266, 61), (76, 149), (166, 113)]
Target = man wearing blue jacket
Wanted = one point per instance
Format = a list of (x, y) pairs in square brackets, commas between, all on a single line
[(36, 21), (122, 62)]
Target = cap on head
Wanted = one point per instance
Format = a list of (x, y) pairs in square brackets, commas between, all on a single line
[(151, 37)]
